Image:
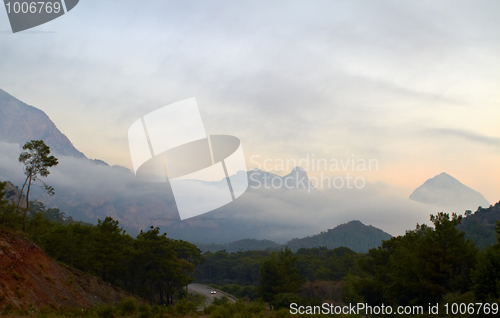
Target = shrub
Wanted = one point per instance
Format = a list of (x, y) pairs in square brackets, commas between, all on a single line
[(145, 311), (284, 300), (184, 306), (221, 301), (18, 277), (128, 306), (209, 309), (106, 311), (283, 313), (7, 310), (257, 306), (221, 312)]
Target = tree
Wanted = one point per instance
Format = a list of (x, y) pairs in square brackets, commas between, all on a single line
[(487, 274), (161, 271), (108, 244), (36, 161), (280, 275)]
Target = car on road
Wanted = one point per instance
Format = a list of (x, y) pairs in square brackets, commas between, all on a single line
[(213, 292)]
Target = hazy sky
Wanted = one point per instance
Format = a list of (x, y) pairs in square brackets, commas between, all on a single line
[(413, 84)]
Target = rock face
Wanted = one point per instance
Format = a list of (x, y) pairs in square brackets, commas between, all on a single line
[(447, 192), (20, 123), (12, 194), (29, 277)]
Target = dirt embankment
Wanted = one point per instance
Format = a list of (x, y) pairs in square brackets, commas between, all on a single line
[(28, 277)]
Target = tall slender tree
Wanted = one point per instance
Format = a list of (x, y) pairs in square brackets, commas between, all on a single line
[(36, 160)]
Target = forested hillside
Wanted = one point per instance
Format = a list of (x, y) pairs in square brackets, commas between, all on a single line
[(150, 265), (354, 235), (480, 225), (241, 245)]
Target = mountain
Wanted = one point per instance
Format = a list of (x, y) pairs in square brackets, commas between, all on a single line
[(447, 192), (12, 194), (20, 123), (296, 179), (480, 225), (353, 235), (30, 278)]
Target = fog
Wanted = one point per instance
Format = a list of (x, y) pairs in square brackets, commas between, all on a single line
[(89, 191)]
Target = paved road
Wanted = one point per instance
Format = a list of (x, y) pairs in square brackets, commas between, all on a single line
[(205, 291)]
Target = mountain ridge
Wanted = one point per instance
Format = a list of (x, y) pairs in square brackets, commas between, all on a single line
[(20, 123)]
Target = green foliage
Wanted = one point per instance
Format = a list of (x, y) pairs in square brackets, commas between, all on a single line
[(353, 235), (244, 268), (183, 307), (225, 308), (7, 211), (248, 292), (279, 274), (420, 267), (145, 311), (326, 264), (241, 245), (353, 292), (486, 276), (7, 309), (240, 268), (257, 306), (283, 300), (221, 312), (128, 306), (480, 225), (106, 311), (36, 160)]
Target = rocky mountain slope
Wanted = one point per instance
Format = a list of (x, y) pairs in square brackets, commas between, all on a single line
[(20, 123), (28, 277), (12, 194)]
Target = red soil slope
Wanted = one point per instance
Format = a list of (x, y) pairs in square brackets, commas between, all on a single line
[(28, 277)]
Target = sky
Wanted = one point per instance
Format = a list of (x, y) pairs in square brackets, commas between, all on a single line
[(411, 84)]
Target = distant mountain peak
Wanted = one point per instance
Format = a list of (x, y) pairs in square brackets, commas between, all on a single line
[(443, 176), (298, 171), (445, 191)]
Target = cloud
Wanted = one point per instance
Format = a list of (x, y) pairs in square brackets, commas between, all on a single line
[(298, 73), (464, 134)]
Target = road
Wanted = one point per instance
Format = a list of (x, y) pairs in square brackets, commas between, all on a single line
[(205, 291)]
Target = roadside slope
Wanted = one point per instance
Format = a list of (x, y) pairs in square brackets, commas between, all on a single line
[(28, 277)]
